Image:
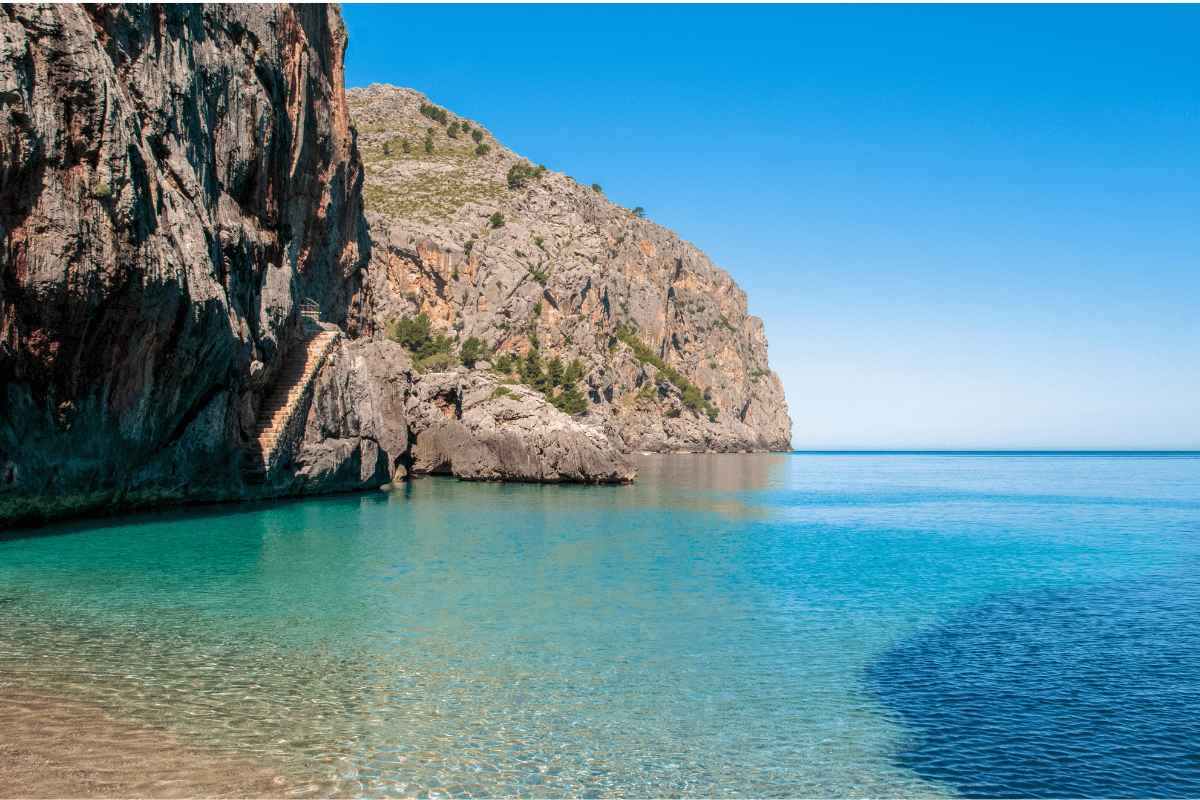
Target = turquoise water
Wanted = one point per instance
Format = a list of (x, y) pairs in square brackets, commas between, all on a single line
[(751, 625)]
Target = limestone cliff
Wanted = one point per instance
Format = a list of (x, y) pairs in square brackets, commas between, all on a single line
[(174, 182), (562, 267), (193, 301)]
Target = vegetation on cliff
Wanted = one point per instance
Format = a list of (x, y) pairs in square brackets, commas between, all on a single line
[(693, 398), (526, 259)]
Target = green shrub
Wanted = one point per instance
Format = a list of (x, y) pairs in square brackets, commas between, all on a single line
[(387, 148), (477, 136), (694, 399), (538, 240), (519, 175), (496, 220), (466, 126), (596, 186), (537, 273), (641, 212), (692, 396), (474, 349), (428, 145), (500, 391), (103, 190), (529, 370), (671, 413), (554, 371), (537, 309), (415, 337), (452, 131), (438, 362), (569, 401), (467, 245), (482, 150), (405, 146), (434, 113)]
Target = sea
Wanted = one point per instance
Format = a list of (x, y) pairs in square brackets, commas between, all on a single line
[(758, 625)]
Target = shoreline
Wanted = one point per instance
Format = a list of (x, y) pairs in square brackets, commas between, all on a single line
[(53, 746)]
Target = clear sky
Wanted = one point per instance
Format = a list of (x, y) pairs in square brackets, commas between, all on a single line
[(963, 226)]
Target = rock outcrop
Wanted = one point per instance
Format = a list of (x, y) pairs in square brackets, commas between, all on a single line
[(503, 432), (174, 182), (483, 243)]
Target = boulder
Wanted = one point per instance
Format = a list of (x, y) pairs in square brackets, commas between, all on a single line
[(515, 435)]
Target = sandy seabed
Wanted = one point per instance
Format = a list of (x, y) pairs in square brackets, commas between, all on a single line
[(54, 747)]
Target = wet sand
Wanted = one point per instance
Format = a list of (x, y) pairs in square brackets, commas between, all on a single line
[(54, 747)]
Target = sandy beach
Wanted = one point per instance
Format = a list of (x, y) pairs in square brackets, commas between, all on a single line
[(54, 747)]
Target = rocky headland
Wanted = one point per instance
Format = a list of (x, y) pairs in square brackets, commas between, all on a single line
[(488, 244), (196, 304)]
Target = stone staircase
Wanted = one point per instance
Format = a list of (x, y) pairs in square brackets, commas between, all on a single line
[(285, 407)]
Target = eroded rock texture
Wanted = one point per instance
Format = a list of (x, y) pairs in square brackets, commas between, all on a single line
[(565, 269), (174, 181), (489, 431)]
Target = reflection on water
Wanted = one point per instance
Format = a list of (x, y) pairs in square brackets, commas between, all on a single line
[(714, 472), (704, 631)]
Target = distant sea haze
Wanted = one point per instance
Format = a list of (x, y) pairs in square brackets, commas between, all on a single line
[(769, 625)]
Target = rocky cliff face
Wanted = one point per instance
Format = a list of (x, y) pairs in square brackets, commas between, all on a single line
[(181, 194), (566, 271), (174, 181)]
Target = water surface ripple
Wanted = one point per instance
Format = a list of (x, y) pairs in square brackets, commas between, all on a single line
[(757, 625)]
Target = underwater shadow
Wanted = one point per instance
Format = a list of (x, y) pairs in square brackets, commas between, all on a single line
[(1081, 692)]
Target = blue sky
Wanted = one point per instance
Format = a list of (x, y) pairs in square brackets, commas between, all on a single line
[(963, 226)]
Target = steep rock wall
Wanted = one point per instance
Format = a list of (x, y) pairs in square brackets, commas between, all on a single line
[(174, 181)]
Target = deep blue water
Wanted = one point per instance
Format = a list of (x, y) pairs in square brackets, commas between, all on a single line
[(757, 625)]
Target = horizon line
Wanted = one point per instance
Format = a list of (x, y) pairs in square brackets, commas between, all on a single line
[(966, 451)]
